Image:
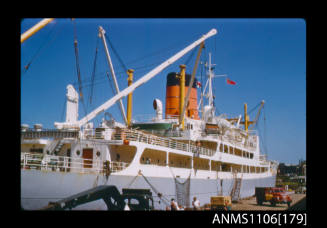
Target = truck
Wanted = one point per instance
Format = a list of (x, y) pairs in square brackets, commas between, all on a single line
[(220, 203), (130, 199), (272, 195)]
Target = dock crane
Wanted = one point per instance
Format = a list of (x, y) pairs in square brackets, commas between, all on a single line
[(78, 124)]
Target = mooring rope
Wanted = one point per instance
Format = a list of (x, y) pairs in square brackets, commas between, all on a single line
[(132, 180), (155, 190)]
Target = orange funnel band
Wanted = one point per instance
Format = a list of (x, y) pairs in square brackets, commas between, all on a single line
[(173, 97)]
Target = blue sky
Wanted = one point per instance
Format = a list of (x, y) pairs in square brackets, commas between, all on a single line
[(265, 57)]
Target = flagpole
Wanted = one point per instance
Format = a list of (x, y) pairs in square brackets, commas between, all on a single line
[(209, 95)]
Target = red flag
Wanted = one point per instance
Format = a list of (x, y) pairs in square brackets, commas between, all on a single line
[(230, 82)]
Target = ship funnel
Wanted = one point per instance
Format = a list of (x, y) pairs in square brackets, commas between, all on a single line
[(173, 97), (157, 105)]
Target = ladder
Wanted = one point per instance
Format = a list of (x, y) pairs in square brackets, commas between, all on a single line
[(57, 147), (235, 192)]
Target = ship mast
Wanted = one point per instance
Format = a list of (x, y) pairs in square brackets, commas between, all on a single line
[(209, 94), (210, 75)]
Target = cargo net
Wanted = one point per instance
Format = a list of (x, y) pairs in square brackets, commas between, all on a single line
[(183, 192)]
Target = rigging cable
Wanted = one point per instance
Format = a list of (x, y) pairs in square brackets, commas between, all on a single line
[(110, 82), (261, 141), (215, 44), (116, 53), (94, 69), (163, 50), (263, 138), (103, 79), (190, 56), (156, 191), (157, 62), (77, 66), (254, 108), (129, 185), (112, 88), (100, 80), (46, 42), (265, 131), (201, 91)]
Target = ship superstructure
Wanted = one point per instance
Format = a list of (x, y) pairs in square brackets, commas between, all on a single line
[(179, 155)]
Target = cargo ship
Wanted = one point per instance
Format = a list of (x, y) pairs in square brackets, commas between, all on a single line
[(178, 154)]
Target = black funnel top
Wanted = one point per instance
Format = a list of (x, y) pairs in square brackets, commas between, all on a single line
[(172, 80)]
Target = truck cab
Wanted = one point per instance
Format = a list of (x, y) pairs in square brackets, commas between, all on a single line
[(272, 195)]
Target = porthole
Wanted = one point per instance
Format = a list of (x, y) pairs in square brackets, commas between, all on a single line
[(98, 153), (78, 153)]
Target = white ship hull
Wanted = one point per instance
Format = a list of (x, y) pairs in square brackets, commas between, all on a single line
[(41, 187), (75, 174)]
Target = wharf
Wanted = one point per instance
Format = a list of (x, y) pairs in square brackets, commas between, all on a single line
[(251, 204)]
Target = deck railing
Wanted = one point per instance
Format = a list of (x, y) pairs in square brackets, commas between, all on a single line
[(48, 133), (134, 135), (237, 141), (263, 159), (146, 118), (67, 164)]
